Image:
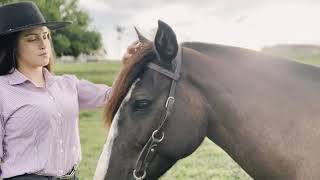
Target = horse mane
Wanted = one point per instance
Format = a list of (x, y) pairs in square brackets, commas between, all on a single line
[(131, 69)]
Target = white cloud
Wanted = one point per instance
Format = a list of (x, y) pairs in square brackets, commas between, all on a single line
[(95, 5)]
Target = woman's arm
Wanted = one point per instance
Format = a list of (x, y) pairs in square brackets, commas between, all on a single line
[(92, 95), (2, 131)]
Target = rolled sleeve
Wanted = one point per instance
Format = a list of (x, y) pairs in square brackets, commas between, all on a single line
[(92, 95)]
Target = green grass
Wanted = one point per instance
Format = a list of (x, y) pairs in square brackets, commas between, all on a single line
[(95, 72), (92, 138), (206, 163), (313, 60)]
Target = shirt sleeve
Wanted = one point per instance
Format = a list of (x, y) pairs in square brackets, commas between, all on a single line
[(92, 95), (2, 132)]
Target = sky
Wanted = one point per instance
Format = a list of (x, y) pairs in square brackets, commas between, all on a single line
[(251, 24)]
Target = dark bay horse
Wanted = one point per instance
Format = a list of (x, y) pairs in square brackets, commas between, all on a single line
[(264, 111)]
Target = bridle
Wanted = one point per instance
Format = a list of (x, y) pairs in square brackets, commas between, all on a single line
[(149, 150)]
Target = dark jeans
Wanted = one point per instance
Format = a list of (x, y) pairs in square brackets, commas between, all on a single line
[(35, 177)]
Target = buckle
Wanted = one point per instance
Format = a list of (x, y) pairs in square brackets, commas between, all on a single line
[(67, 177), (71, 175), (170, 102)]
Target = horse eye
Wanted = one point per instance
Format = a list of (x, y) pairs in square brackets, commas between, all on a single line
[(140, 105)]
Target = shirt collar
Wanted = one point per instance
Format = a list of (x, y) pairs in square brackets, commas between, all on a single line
[(17, 77), (49, 78)]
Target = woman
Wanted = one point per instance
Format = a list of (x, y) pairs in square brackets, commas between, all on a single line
[(39, 111)]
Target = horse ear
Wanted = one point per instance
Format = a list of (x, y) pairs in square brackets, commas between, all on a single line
[(166, 42), (142, 39)]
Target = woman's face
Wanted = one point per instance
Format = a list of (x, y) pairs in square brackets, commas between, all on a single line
[(34, 48)]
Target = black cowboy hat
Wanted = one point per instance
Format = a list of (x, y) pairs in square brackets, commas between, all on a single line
[(24, 15)]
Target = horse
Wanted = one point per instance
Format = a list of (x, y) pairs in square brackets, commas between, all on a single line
[(263, 110)]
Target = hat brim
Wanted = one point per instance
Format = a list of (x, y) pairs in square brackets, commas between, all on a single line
[(50, 25)]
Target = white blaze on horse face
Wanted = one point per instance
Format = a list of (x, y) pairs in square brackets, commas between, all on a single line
[(104, 159)]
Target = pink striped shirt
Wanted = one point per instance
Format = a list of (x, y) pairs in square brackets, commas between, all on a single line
[(39, 126)]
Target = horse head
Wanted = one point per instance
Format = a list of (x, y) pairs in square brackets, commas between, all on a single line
[(157, 116)]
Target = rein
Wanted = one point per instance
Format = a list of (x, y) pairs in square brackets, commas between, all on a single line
[(149, 150)]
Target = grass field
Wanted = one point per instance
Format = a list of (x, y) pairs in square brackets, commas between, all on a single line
[(207, 163)]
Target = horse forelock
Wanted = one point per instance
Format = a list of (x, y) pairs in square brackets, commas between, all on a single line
[(129, 72)]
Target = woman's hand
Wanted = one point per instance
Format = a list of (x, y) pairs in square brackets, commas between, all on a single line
[(131, 50)]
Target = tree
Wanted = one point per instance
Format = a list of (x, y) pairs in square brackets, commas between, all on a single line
[(74, 39)]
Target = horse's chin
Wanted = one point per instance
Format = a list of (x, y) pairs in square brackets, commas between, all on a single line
[(156, 171)]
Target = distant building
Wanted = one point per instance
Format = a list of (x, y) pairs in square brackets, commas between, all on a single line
[(66, 59), (94, 56)]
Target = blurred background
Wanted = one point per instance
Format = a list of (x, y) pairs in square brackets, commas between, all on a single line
[(92, 47), (253, 24), (103, 29)]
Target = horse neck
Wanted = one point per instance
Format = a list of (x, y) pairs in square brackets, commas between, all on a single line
[(208, 76), (251, 99), (219, 79), (229, 79)]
